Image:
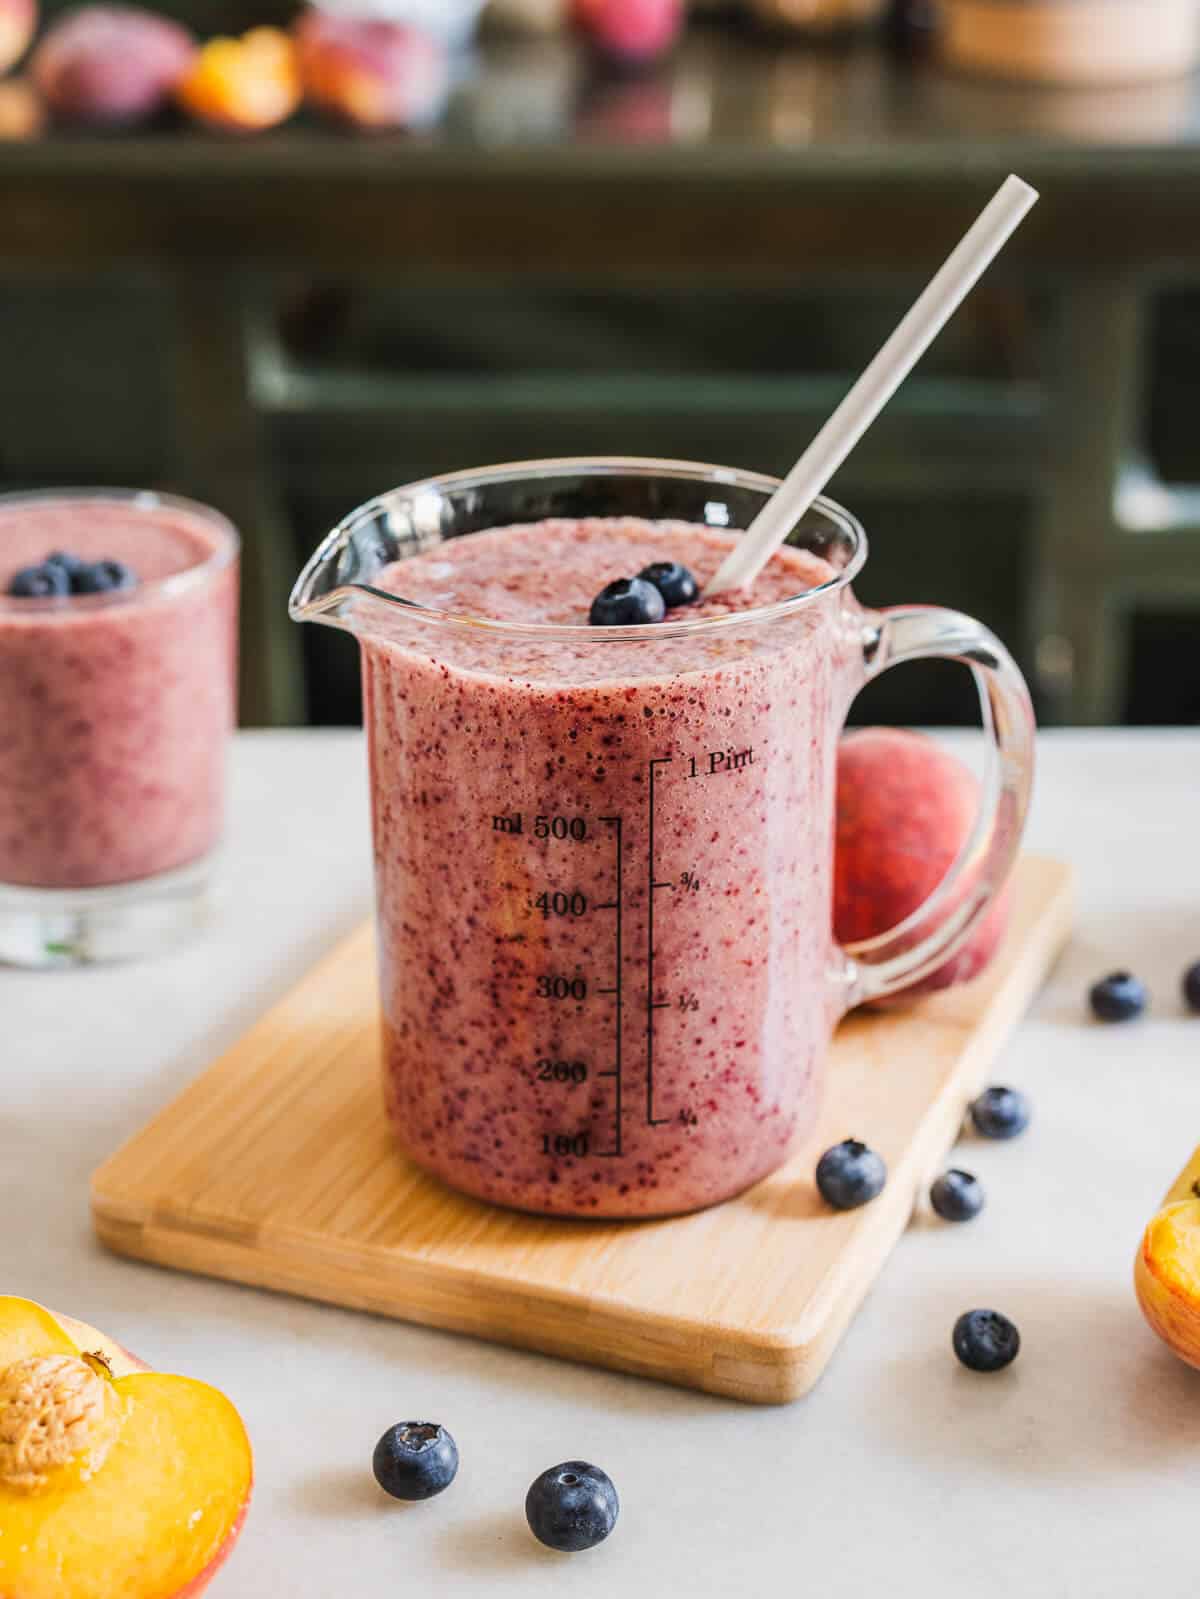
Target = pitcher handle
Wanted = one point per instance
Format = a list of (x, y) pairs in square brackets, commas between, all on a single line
[(919, 945)]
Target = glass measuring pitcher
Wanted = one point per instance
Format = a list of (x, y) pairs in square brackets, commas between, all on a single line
[(604, 855)]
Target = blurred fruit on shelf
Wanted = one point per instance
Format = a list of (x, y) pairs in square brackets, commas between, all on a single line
[(243, 85), (1073, 41), (368, 73), (630, 31), (450, 21), (110, 64), (22, 114), (18, 19), (529, 16), (818, 16)]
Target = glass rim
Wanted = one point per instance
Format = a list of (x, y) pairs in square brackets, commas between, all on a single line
[(304, 609), (139, 501)]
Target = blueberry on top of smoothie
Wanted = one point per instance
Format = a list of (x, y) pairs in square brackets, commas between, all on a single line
[(673, 581), (627, 603), (69, 563), (102, 577), (63, 573), (39, 582)]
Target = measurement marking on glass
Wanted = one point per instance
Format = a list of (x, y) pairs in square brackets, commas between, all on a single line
[(651, 1003), (616, 990)]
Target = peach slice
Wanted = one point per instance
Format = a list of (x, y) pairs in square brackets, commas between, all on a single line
[(1166, 1273), (116, 1482)]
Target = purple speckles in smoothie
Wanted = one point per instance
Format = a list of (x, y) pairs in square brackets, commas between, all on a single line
[(513, 781)]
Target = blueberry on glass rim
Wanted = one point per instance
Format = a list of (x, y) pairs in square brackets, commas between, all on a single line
[(572, 1507), (673, 581), (1000, 1113), (628, 602), (415, 1460), (984, 1340), (1119, 997), (850, 1174), (39, 582)]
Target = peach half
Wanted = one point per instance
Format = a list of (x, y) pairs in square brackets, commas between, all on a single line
[(116, 1482), (1166, 1273)]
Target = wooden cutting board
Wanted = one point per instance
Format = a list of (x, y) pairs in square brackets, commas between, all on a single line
[(275, 1168)]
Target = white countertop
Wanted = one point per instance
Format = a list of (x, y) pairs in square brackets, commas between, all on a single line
[(1073, 1474)]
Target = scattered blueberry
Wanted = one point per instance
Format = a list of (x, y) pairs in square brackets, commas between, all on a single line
[(674, 582), (39, 582), (850, 1174), (626, 603), (571, 1507), (1117, 998), (957, 1195), (984, 1340), (415, 1460), (1191, 987), (102, 577), (1000, 1113)]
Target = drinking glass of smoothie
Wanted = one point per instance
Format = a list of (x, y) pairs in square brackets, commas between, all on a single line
[(118, 622), (604, 839)]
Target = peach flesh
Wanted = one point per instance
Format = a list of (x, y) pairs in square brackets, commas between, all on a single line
[(181, 1455), (1166, 1272)]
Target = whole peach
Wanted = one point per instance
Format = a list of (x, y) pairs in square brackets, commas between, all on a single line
[(22, 113), (371, 73), (630, 30), (18, 19), (111, 64), (243, 85), (905, 808)]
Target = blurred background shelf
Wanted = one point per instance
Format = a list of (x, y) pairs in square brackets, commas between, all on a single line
[(689, 262)]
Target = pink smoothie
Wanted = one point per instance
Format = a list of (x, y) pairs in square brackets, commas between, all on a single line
[(536, 803), (114, 709)]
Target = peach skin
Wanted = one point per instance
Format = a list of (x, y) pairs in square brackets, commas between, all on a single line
[(18, 19), (370, 73), (114, 1480), (1166, 1273), (905, 807), (110, 64)]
